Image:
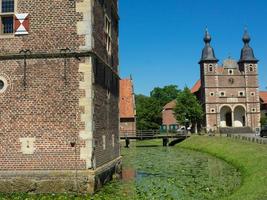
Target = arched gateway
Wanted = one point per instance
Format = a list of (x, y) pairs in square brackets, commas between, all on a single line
[(232, 117), (226, 119)]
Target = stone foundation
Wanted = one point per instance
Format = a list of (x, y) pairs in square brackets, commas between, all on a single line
[(59, 181)]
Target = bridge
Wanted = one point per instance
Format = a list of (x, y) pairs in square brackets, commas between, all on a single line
[(168, 139)]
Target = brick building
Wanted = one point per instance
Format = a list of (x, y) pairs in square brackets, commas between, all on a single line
[(230, 93), (127, 107), (263, 100), (59, 93), (169, 121)]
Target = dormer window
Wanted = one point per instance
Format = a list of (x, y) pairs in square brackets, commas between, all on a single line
[(7, 16)]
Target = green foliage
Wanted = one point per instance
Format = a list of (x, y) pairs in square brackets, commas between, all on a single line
[(263, 119), (188, 107), (149, 109), (249, 158), (148, 112), (165, 95)]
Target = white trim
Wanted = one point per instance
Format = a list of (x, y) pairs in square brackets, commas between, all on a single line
[(2, 78)]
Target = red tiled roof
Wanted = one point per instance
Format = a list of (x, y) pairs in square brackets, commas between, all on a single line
[(170, 105), (127, 105), (196, 87), (263, 96)]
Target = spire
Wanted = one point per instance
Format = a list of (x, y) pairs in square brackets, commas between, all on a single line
[(208, 52), (247, 54)]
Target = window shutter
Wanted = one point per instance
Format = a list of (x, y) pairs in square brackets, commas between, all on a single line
[(22, 24)]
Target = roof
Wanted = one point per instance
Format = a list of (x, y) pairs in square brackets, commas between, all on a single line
[(263, 96), (170, 105), (230, 64), (247, 54), (127, 103), (196, 87), (208, 52)]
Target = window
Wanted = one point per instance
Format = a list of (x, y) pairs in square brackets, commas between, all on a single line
[(3, 84), (212, 110), (7, 16), (241, 94), (252, 93), (113, 140), (251, 68), (222, 94), (212, 94), (253, 109), (108, 34), (230, 72), (104, 142)]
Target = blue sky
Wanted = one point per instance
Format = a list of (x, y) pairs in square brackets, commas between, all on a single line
[(161, 41)]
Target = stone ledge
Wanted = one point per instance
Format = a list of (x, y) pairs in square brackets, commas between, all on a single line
[(59, 181)]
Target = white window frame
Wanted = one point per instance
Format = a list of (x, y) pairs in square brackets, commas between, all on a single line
[(223, 94), (230, 72), (107, 29), (104, 142), (7, 14), (239, 93)]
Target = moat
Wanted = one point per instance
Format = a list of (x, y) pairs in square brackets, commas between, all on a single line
[(156, 172)]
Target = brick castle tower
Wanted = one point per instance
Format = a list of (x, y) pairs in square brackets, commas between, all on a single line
[(59, 93)]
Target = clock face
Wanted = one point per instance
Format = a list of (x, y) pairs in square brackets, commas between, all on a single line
[(231, 80)]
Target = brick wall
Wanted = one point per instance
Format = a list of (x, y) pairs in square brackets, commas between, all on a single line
[(46, 109), (39, 121), (168, 117), (47, 20)]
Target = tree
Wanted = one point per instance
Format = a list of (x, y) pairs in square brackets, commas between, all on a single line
[(149, 108), (188, 108), (148, 112), (263, 119), (165, 95)]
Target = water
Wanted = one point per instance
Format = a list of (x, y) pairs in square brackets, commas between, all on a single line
[(156, 172)]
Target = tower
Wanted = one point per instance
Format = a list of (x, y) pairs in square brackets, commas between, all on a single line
[(248, 65), (208, 69)]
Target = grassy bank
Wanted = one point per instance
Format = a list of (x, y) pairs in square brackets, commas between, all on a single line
[(249, 158)]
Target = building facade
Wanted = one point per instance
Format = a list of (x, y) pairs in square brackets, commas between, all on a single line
[(230, 93), (127, 107), (59, 94), (169, 122)]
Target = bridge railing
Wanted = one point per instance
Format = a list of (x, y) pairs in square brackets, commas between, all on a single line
[(139, 132), (146, 133)]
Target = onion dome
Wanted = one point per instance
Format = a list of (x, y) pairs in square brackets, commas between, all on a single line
[(247, 54), (208, 54)]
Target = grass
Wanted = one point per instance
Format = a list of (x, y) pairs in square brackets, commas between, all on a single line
[(249, 158)]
